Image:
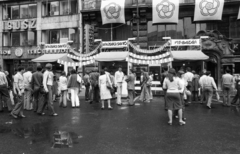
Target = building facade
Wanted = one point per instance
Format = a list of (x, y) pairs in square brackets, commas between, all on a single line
[(222, 46), (26, 25)]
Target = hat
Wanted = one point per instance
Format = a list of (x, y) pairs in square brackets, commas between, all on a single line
[(172, 71), (48, 65), (180, 72)]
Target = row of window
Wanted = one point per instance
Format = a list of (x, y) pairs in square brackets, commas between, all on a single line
[(54, 8), (27, 38)]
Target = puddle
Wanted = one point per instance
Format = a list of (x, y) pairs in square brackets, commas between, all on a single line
[(42, 133)]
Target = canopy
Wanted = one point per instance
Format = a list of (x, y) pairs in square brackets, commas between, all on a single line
[(52, 58), (112, 56), (189, 55)]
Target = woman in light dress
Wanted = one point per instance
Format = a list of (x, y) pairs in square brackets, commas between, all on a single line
[(105, 93), (63, 90)]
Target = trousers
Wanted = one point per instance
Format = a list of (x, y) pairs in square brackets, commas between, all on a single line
[(27, 100), (131, 96), (5, 97), (74, 97), (47, 101), (18, 108), (119, 93), (208, 91)]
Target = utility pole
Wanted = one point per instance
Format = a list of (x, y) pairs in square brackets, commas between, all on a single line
[(137, 23)]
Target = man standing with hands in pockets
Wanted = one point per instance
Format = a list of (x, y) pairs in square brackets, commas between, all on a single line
[(119, 76)]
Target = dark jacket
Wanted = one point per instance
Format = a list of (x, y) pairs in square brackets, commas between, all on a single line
[(37, 80), (72, 82)]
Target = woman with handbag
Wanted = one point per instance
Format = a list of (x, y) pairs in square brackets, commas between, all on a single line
[(105, 86), (73, 85)]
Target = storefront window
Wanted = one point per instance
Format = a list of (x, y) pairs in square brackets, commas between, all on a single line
[(23, 11), (15, 39), (15, 12), (189, 28), (24, 38), (32, 38), (6, 40), (32, 10)]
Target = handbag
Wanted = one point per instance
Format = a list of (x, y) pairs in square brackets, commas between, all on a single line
[(108, 84)]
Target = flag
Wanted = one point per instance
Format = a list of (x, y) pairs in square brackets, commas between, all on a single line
[(165, 11), (208, 10), (112, 11), (239, 14)]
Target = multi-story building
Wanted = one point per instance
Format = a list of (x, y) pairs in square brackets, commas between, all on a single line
[(25, 25), (218, 47)]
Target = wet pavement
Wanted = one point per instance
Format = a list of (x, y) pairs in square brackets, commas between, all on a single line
[(141, 129)]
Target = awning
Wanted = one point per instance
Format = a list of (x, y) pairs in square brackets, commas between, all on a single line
[(189, 55), (52, 58), (112, 56)]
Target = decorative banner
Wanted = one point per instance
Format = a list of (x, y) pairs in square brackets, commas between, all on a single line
[(112, 11), (185, 42), (115, 44), (147, 62), (149, 51), (239, 13), (149, 57), (165, 11), (208, 10)]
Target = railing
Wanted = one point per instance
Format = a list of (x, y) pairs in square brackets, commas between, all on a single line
[(96, 4)]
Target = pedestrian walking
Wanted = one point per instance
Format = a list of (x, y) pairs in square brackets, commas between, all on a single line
[(38, 90), (95, 94), (195, 86), (55, 88), (189, 78), (173, 99), (118, 78), (105, 86), (18, 90), (86, 80), (237, 96), (131, 87), (48, 86), (203, 96), (209, 86), (150, 85), (10, 89), (4, 93), (145, 93), (63, 89), (227, 84), (74, 85), (27, 77), (183, 91)]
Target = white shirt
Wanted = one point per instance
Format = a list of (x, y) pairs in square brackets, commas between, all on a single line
[(18, 79), (201, 79), (3, 79), (119, 76), (172, 87), (183, 84), (188, 76), (208, 81), (47, 79), (63, 83), (27, 77)]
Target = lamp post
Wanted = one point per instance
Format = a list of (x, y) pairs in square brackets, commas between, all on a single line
[(137, 23)]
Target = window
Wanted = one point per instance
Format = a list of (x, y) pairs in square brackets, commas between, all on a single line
[(56, 8), (20, 11), (60, 36), (234, 30), (23, 38), (189, 28)]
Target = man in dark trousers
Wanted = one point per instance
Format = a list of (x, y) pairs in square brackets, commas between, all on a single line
[(94, 76), (131, 87), (37, 84)]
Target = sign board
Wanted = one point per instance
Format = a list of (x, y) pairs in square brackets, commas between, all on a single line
[(20, 24), (185, 42), (47, 51), (5, 52), (89, 4), (115, 44), (56, 46), (19, 52)]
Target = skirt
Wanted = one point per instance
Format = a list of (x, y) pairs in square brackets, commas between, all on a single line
[(173, 101)]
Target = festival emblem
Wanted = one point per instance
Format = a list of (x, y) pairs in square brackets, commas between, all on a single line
[(209, 7), (165, 9), (112, 10)]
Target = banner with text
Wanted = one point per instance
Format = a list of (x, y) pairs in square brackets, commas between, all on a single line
[(185, 42), (208, 10), (165, 11), (112, 11)]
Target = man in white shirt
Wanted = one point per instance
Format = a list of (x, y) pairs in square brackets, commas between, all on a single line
[(18, 89), (119, 76), (201, 86), (227, 83), (27, 77), (209, 85), (188, 76), (4, 93), (47, 84)]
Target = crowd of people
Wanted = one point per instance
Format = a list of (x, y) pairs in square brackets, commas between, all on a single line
[(37, 91)]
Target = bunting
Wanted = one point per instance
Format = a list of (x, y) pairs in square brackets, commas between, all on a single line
[(150, 57), (148, 62), (165, 11), (208, 10), (113, 11)]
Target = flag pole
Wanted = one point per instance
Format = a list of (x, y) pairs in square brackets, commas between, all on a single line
[(111, 33), (137, 24)]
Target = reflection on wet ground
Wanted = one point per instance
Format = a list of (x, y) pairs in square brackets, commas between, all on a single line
[(40, 132)]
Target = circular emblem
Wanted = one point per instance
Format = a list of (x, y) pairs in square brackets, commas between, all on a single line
[(112, 10), (19, 52), (165, 9), (209, 7)]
